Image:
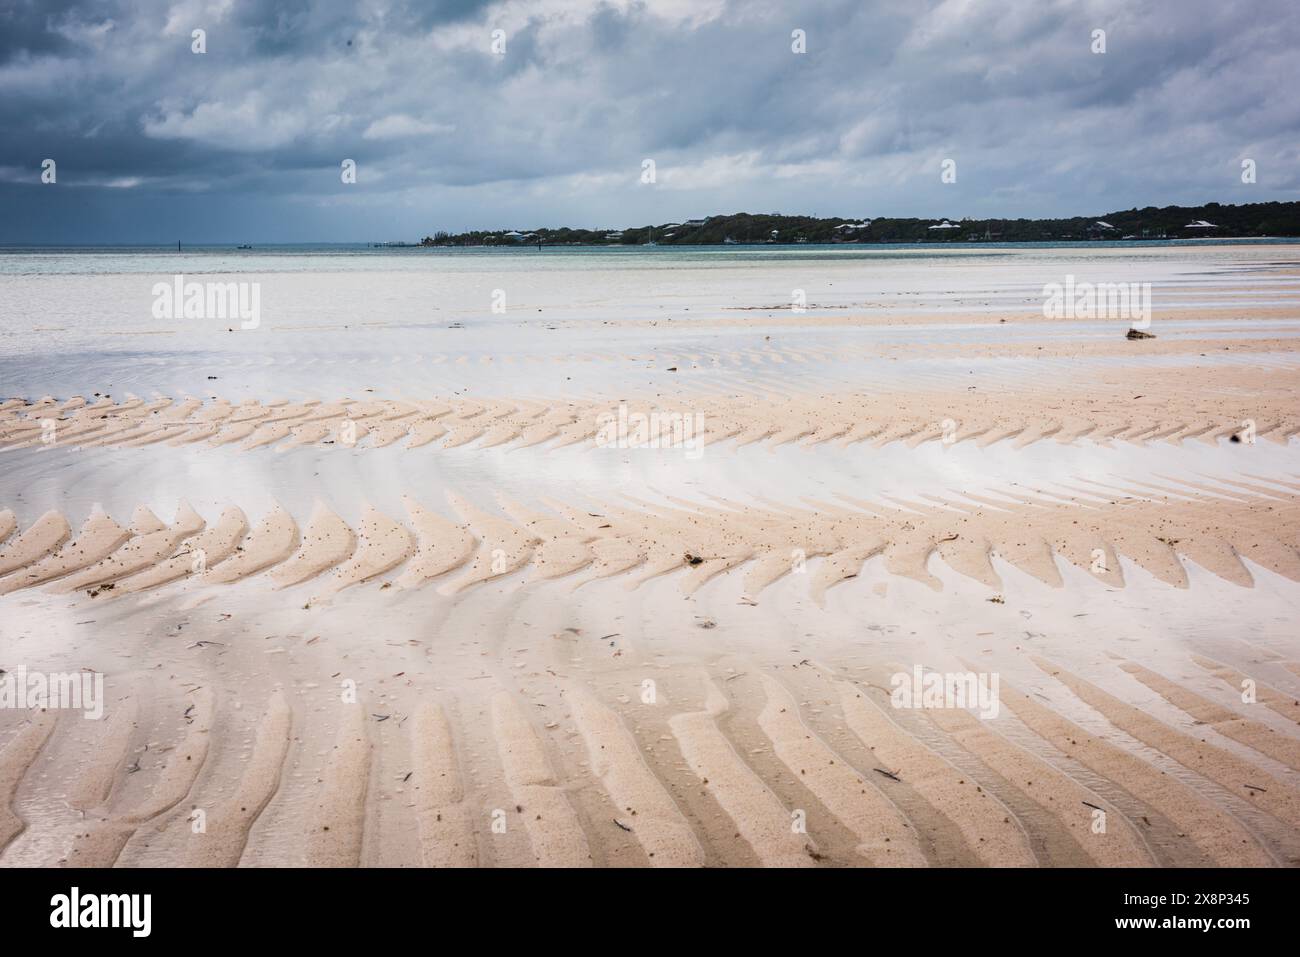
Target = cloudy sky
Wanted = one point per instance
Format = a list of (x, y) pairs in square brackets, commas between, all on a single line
[(153, 142)]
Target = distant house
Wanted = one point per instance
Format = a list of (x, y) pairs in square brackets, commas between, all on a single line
[(1100, 224), (944, 225), (514, 234), (853, 227), (693, 223), (1200, 224), (613, 235)]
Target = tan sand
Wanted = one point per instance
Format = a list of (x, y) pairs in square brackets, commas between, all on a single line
[(920, 803), (1156, 531), (757, 814), (336, 822), (98, 538), (446, 831), (987, 825), (887, 838), (540, 805), (15, 759), (1141, 405), (498, 644)]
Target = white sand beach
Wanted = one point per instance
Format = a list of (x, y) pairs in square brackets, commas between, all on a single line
[(627, 574)]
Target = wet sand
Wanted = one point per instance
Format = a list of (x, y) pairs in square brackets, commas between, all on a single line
[(380, 618)]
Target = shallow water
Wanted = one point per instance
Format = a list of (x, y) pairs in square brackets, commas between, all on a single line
[(584, 321)]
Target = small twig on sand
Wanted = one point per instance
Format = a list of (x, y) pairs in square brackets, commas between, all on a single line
[(889, 774)]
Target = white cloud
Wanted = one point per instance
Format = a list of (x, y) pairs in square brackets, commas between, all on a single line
[(248, 126), (399, 126)]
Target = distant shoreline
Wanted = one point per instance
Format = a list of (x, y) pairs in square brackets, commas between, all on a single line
[(414, 248), (1213, 220)]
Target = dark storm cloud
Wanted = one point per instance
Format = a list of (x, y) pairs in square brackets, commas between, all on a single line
[(31, 27), (447, 134)]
